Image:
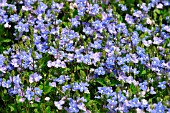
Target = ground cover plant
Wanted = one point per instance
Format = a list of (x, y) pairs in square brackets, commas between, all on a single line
[(82, 56)]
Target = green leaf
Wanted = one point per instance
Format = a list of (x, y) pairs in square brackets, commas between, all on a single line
[(157, 11), (101, 81), (82, 74), (87, 96), (1, 29), (36, 111), (77, 68), (112, 83), (75, 13), (133, 88), (6, 40), (46, 89), (12, 107), (34, 105), (143, 72), (48, 109)]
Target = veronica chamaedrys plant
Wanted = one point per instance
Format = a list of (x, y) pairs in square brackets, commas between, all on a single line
[(79, 56)]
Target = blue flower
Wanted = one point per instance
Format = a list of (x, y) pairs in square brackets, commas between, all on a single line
[(75, 22), (97, 24), (19, 26), (29, 2), (162, 85), (128, 58), (125, 68), (70, 47), (72, 35), (73, 107), (29, 94), (112, 28), (38, 56), (34, 78), (52, 84), (66, 87), (144, 103), (81, 106), (15, 89), (159, 108), (16, 80), (79, 57), (147, 43), (121, 98), (110, 61), (80, 1), (134, 102), (157, 40), (121, 60), (42, 47), (88, 30), (59, 104), (156, 62), (81, 11), (112, 101), (4, 19), (100, 71), (41, 8), (83, 87), (135, 38), (82, 99), (166, 3), (95, 9), (2, 58), (58, 63), (135, 71), (14, 18), (38, 91), (86, 59), (6, 84), (76, 86), (129, 19), (52, 51), (123, 7), (143, 86), (97, 44), (140, 51), (60, 80), (139, 27), (106, 91), (137, 13), (96, 57), (1, 81), (145, 8)]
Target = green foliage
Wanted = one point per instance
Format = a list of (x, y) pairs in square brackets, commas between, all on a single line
[(79, 71)]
